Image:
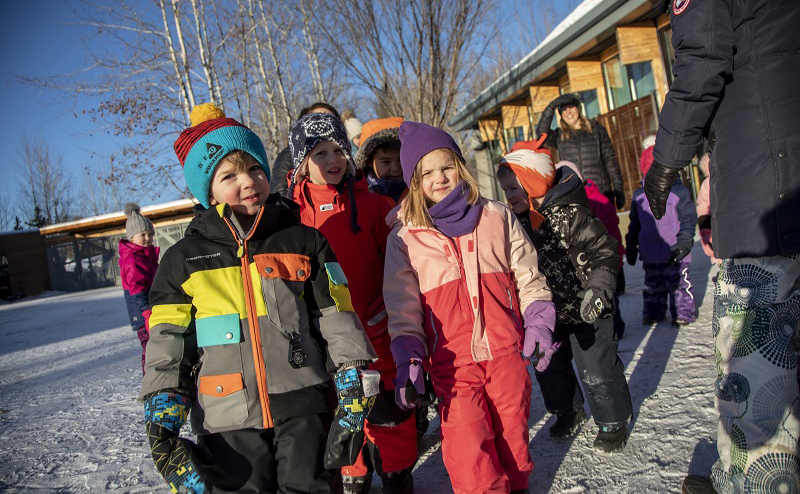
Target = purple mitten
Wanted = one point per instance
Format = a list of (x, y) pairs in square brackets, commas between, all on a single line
[(540, 321), (408, 352)]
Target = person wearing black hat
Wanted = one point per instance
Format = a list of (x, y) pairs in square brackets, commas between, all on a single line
[(584, 142)]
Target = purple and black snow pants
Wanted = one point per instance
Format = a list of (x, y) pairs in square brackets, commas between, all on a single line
[(668, 281)]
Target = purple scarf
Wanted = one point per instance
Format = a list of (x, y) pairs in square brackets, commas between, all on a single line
[(453, 216)]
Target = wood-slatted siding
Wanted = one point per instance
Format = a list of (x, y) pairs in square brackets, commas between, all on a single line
[(627, 126)]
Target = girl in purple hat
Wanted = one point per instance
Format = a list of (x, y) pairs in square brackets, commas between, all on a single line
[(467, 303)]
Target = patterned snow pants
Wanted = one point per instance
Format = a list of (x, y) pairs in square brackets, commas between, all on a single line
[(663, 282), (756, 328)]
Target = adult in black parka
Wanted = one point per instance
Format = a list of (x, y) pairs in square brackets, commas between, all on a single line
[(736, 72), (584, 142)]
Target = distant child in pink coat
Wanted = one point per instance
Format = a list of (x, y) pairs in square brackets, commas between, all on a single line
[(465, 300), (704, 212), (138, 261)]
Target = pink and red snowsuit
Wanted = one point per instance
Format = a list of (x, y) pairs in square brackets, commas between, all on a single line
[(464, 298), (137, 268)]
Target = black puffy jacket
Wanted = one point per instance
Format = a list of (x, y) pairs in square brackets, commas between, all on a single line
[(574, 249), (592, 152), (280, 168), (737, 66)]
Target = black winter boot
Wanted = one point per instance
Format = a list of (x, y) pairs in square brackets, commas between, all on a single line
[(398, 482), (695, 484), (567, 426), (611, 440)]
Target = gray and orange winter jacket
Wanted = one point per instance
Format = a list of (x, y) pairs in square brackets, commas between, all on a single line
[(463, 302), (235, 312)]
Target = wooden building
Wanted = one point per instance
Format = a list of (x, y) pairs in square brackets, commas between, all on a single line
[(82, 254), (614, 54), (23, 265)]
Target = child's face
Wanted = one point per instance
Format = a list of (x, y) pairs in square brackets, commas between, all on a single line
[(327, 163), (438, 173), (244, 190), (515, 195), (386, 164), (143, 239)]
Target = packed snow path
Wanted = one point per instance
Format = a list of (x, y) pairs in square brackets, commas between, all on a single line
[(69, 419)]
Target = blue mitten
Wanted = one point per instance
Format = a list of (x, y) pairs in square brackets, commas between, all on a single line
[(164, 415), (346, 436)]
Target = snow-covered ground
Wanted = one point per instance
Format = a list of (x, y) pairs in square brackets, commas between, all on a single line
[(70, 422)]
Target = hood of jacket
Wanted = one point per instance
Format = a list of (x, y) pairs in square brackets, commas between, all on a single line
[(128, 249), (568, 189)]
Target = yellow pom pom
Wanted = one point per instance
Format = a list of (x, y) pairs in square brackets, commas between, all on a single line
[(206, 111)]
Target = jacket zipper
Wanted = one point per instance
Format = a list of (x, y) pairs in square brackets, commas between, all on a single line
[(252, 321)]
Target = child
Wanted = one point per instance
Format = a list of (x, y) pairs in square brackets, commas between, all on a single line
[(138, 261), (353, 221), (248, 286), (464, 297), (665, 247), (379, 158), (605, 211), (704, 210), (580, 260)]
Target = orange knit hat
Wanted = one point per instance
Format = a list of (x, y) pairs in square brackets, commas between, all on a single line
[(373, 134)]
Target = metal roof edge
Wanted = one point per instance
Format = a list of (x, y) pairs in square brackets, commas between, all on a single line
[(155, 208), (551, 51)]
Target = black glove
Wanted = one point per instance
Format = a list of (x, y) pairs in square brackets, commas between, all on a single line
[(681, 249), (346, 436), (632, 254), (619, 198), (597, 301), (164, 415), (657, 184)]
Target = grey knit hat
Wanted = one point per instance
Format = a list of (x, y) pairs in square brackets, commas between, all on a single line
[(136, 223)]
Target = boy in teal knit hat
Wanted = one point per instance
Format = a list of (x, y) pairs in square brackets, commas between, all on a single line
[(251, 315)]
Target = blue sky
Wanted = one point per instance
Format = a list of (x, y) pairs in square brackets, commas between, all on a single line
[(40, 38)]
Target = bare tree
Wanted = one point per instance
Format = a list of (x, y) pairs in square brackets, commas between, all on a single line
[(98, 194), (415, 57), (6, 213), (44, 185)]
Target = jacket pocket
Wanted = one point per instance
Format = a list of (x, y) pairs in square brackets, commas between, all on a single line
[(223, 399), (224, 329), (283, 278)]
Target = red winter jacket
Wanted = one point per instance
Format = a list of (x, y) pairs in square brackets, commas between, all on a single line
[(606, 212), (361, 255), (137, 268)]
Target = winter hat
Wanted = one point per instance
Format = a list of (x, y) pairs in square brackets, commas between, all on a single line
[(312, 129), (374, 134), (646, 160), (569, 100), (353, 127), (136, 223), (212, 136), (534, 170), (572, 166), (418, 139)]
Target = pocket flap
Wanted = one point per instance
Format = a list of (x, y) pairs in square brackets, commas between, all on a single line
[(221, 385), (224, 329), (291, 267)]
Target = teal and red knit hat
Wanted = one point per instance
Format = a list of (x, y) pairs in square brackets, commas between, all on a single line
[(212, 136)]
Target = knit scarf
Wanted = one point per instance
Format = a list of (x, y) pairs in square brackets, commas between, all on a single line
[(453, 216), (386, 187)]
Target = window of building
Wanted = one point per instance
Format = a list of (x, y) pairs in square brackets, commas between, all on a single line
[(626, 83), (642, 80), (514, 135), (617, 84), (591, 105), (667, 52)]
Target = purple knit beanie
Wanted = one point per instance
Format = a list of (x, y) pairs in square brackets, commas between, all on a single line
[(418, 139)]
